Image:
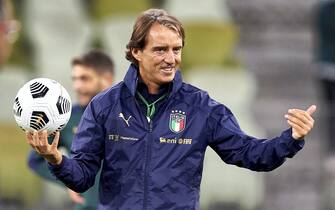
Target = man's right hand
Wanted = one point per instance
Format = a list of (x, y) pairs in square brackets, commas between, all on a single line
[(38, 140), (76, 197)]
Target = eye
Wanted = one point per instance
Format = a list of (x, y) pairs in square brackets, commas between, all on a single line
[(177, 50), (159, 50), (85, 78)]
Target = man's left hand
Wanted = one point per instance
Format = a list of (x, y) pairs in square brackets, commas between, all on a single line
[(301, 121)]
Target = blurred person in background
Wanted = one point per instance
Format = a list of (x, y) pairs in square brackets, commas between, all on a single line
[(9, 28), (151, 130), (92, 73), (325, 34)]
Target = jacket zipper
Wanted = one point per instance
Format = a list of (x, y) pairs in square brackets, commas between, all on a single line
[(146, 166), (148, 151), (149, 115)]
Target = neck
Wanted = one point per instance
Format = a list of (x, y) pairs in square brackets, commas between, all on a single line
[(153, 88)]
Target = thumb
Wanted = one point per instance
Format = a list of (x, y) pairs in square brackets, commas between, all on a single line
[(311, 109)]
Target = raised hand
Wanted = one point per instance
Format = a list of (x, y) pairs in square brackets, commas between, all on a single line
[(301, 121), (38, 140)]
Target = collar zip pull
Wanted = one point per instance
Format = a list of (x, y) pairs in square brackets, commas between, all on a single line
[(151, 109)]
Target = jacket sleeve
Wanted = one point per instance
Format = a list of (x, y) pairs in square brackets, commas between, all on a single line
[(237, 148), (38, 164), (78, 172)]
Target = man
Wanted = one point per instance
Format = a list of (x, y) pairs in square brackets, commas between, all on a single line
[(152, 130), (92, 73), (8, 30)]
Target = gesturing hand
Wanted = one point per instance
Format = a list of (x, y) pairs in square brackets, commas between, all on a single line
[(301, 121), (38, 140)]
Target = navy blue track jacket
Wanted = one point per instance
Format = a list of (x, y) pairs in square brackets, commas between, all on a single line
[(157, 164)]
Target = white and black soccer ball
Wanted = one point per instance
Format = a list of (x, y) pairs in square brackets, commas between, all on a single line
[(42, 104)]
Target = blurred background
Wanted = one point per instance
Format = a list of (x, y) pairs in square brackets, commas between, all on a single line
[(258, 57)]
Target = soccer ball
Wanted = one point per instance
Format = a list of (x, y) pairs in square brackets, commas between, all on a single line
[(42, 104)]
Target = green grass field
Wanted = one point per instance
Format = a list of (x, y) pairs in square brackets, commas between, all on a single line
[(16, 180)]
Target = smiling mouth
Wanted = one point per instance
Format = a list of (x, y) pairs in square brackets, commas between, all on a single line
[(167, 69)]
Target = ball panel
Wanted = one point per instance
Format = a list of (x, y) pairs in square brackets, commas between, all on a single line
[(38, 120), (63, 105), (17, 107), (38, 90)]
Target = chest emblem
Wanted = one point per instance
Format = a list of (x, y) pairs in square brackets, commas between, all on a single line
[(177, 121)]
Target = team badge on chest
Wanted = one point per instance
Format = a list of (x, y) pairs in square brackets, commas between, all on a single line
[(177, 121)]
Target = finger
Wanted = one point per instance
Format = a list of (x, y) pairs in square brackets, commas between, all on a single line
[(297, 131), (80, 200), (55, 141), (302, 131), (77, 198), (44, 139), (35, 138), (299, 114), (29, 137), (40, 138), (303, 115), (298, 121), (38, 149), (311, 109), (36, 142), (295, 126), (30, 140), (302, 112)]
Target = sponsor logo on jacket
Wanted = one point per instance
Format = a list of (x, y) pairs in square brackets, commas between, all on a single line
[(163, 140), (116, 137)]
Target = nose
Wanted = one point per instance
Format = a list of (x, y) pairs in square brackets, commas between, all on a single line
[(77, 85), (169, 57)]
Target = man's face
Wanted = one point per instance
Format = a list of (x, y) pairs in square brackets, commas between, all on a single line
[(161, 57), (86, 83)]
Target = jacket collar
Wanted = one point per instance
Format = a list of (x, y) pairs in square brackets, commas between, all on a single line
[(132, 77)]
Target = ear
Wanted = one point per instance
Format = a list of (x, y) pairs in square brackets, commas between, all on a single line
[(137, 53)]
